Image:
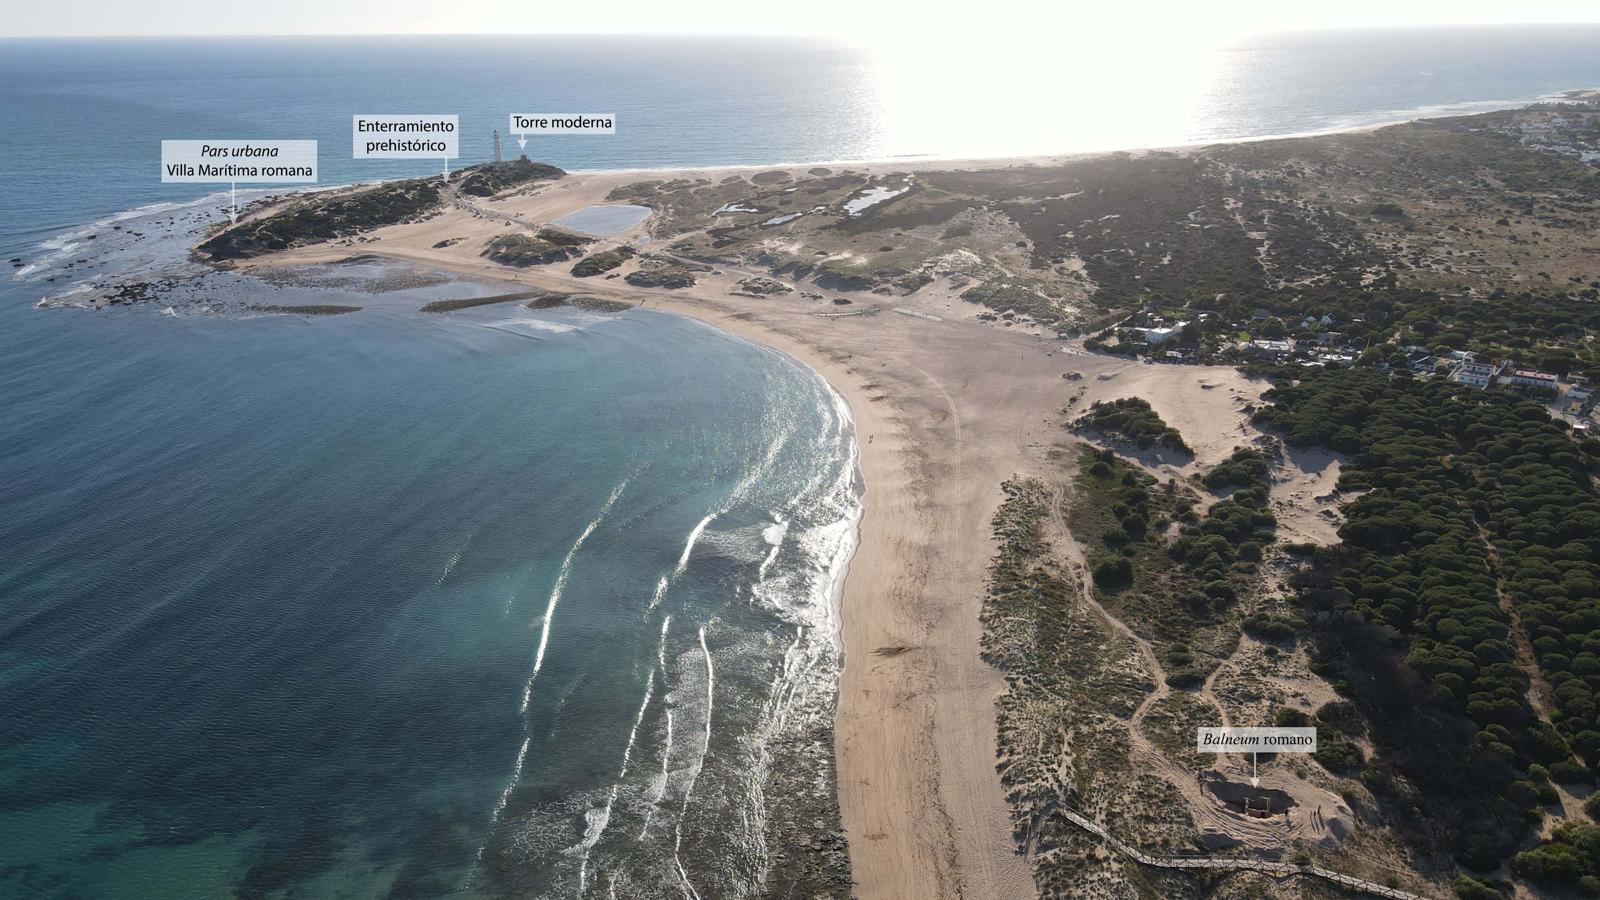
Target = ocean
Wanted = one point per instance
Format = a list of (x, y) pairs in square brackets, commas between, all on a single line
[(376, 605), (495, 603)]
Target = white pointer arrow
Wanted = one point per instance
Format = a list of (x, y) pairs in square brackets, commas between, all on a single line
[(1255, 778), (522, 143)]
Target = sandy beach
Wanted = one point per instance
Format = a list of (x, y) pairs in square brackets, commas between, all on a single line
[(947, 408)]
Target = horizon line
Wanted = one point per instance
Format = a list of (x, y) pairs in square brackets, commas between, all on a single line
[(843, 38)]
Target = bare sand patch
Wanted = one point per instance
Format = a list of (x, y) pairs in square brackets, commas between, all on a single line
[(1306, 498)]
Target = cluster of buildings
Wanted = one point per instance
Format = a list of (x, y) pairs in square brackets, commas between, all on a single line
[(1464, 367), (1324, 351), (1313, 342), (1570, 398), (1174, 340), (1570, 128), (1325, 347), (1569, 393)]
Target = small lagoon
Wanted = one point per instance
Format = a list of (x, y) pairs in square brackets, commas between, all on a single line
[(604, 221)]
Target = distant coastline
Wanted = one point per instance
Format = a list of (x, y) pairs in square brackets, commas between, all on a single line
[(911, 163), (914, 162)]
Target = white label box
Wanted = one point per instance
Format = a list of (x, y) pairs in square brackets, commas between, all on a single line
[(1256, 740), (242, 162), (563, 123), (405, 137)]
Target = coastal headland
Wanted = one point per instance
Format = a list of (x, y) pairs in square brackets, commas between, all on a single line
[(1046, 599)]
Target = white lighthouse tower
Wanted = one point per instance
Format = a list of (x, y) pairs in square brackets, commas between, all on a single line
[(497, 145)]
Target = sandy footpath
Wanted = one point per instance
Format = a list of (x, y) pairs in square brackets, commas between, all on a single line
[(946, 410)]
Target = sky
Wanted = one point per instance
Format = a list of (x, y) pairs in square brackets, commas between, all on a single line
[(854, 20)]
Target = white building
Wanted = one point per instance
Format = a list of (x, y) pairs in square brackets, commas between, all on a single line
[(1475, 375), (1275, 349), (1530, 378), (1163, 334)]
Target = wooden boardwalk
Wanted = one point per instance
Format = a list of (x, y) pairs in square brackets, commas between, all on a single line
[(1252, 865)]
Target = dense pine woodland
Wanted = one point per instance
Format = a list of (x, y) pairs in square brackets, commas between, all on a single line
[(1461, 609)]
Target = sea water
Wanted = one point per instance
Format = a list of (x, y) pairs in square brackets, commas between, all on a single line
[(497, 602)]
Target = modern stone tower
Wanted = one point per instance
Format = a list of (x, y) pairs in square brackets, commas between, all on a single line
[(497, 145)]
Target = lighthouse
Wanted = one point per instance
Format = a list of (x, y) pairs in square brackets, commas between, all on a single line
[(497, 145)]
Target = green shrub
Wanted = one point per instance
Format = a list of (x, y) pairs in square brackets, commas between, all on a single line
[(1112, 571), (1245, 468), (1186, 678), (1269, 627), (1471, 889), (1131, 419), (1568, 772), (1289, 717)]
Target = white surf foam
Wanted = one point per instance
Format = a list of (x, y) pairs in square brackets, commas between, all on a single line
[(527, 691), (773, 534), (560, 585), (598, 819), (660, 788), (699, 766), (739, 491)]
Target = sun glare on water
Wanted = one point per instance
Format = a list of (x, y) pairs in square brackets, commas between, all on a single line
[(1062, 91)]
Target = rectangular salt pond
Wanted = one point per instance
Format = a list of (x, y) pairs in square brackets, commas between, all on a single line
[(604, 221)]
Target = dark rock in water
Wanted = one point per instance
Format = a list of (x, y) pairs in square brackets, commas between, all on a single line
[(308, 309), (441, 306), (601, 305), (548, 301), (130, 292)]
